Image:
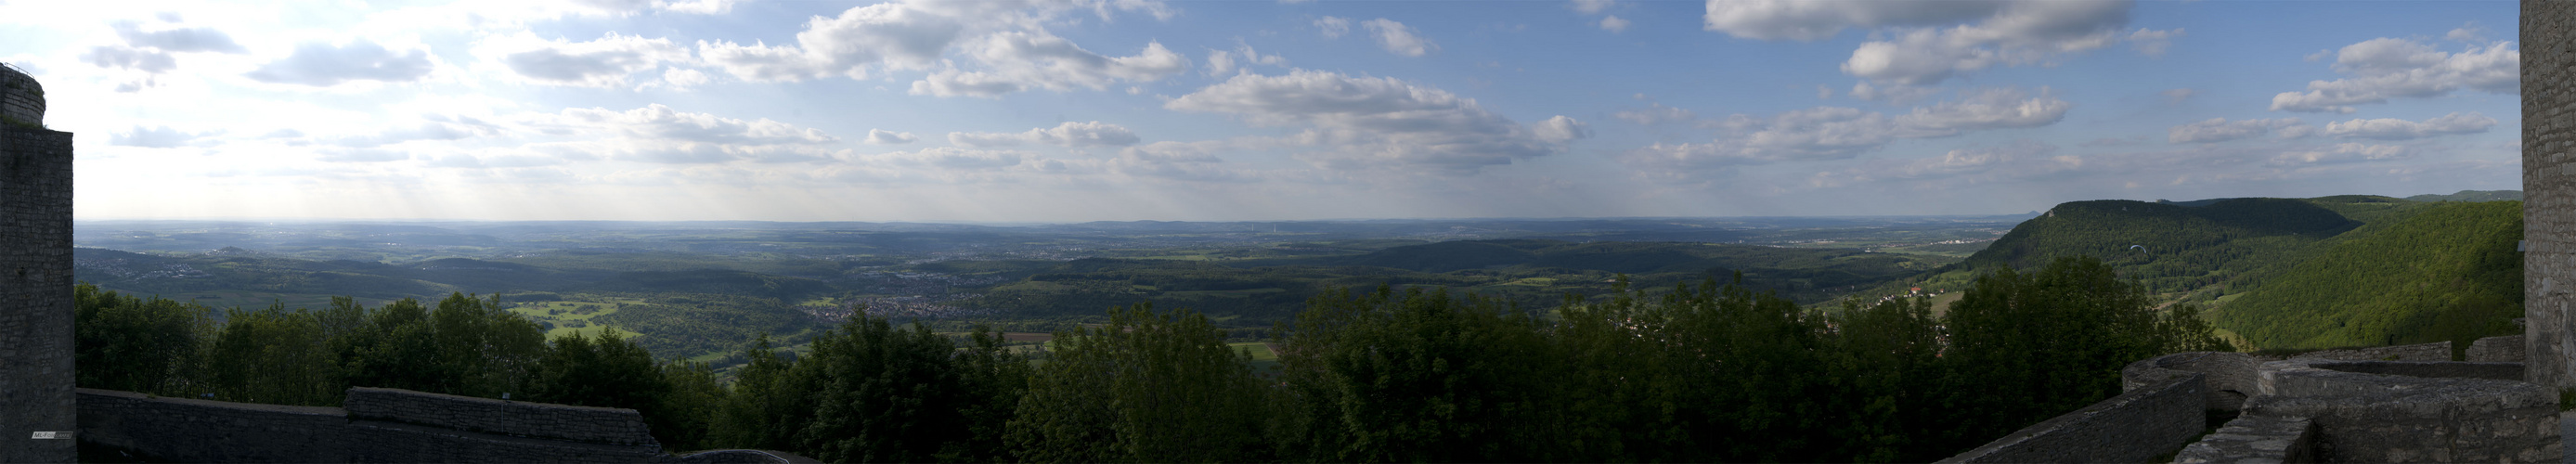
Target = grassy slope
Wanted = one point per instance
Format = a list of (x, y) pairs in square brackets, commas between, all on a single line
[(2443, 271)]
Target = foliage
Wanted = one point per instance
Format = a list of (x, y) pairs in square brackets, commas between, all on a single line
[(2442, 272), (135, 344), (1418, 376), (1147, 387)]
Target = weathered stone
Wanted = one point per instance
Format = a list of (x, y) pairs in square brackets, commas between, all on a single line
[(2141, 424), (2549, 190), (35, 282), (382, 425)]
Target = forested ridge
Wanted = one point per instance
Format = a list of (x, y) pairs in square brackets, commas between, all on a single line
[(2444, 272), (1698, 372), (2338, 271)]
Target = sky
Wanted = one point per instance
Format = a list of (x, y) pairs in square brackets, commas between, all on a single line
[(1084, 110)]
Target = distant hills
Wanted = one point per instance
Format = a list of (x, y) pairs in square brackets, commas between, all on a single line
[(2351, 270)]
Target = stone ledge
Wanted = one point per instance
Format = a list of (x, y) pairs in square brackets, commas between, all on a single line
[(2255, 439), (2136, 426)]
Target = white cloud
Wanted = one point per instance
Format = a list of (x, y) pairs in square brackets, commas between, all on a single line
[(1613, 24), (1592, 6), (154, 137), (1222, 62), (1921, 47), (1985, 110), (179, 40), (362, 155), (1021, 60), (2178, 95), (2220, 130), (1399, 39), (2021, 158), (2379, 69), (1377, 122), (887, 137), (1333, 27), (661, 122), (1005, 38), (1562, 129), (604, 63), (2342, 153), (1833, 133), (1655, 113), (1894, 94), (323, 65), (2400, 129), (1068, 134), (2153, 42)]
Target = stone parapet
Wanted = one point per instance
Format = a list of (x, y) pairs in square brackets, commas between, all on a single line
[(2230, 376), (2255, 439), (2374, 411), (2503, 349), (2436, 351), (2137, 426), (186, 430), (516, 418)]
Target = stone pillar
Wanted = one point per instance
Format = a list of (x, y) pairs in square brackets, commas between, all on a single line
[(35, 280), (2549, 190)]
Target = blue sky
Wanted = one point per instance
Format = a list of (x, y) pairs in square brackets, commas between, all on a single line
[(1041, 110)]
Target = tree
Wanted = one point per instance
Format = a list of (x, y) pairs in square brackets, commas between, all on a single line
[(121, 342), (1419, 376), (1147, 387), (2029, 346)]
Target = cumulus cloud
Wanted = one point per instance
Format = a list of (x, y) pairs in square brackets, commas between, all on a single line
[(1020, 60), (146, 60), (2380, 69), (2400, 129), (887, 137), (1655, 113), (1985, 110), (2021, 158), (1191, 161), (2220, 130), (1592, 6), (1069, 134), (663, 123), (362, 155), (153, 137), (1894, 94), (2341, 153), (2178, 95), (1332, 27), (1222, 62), (322, 64), (1005, 38), (604, 63), (178, 40), (951, 158), (1378, 122), (1399, 39), (1833, 133), (1919, 50), (2153, 42), (1562, 129), (1613, 24)]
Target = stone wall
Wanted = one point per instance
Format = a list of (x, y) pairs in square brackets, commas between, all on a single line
[(381, 425), (2504, 349), (35, 293), (2140, 425), (2369, 411), (2255, 439), (515, 418), (2229, 376), (2549, 188), (22, 100), (2436, 351)]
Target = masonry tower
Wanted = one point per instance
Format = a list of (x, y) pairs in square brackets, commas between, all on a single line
[(35, 277), (2549, 190)]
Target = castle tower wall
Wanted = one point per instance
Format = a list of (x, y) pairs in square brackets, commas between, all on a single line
[(2549, 190), (35, 279)]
